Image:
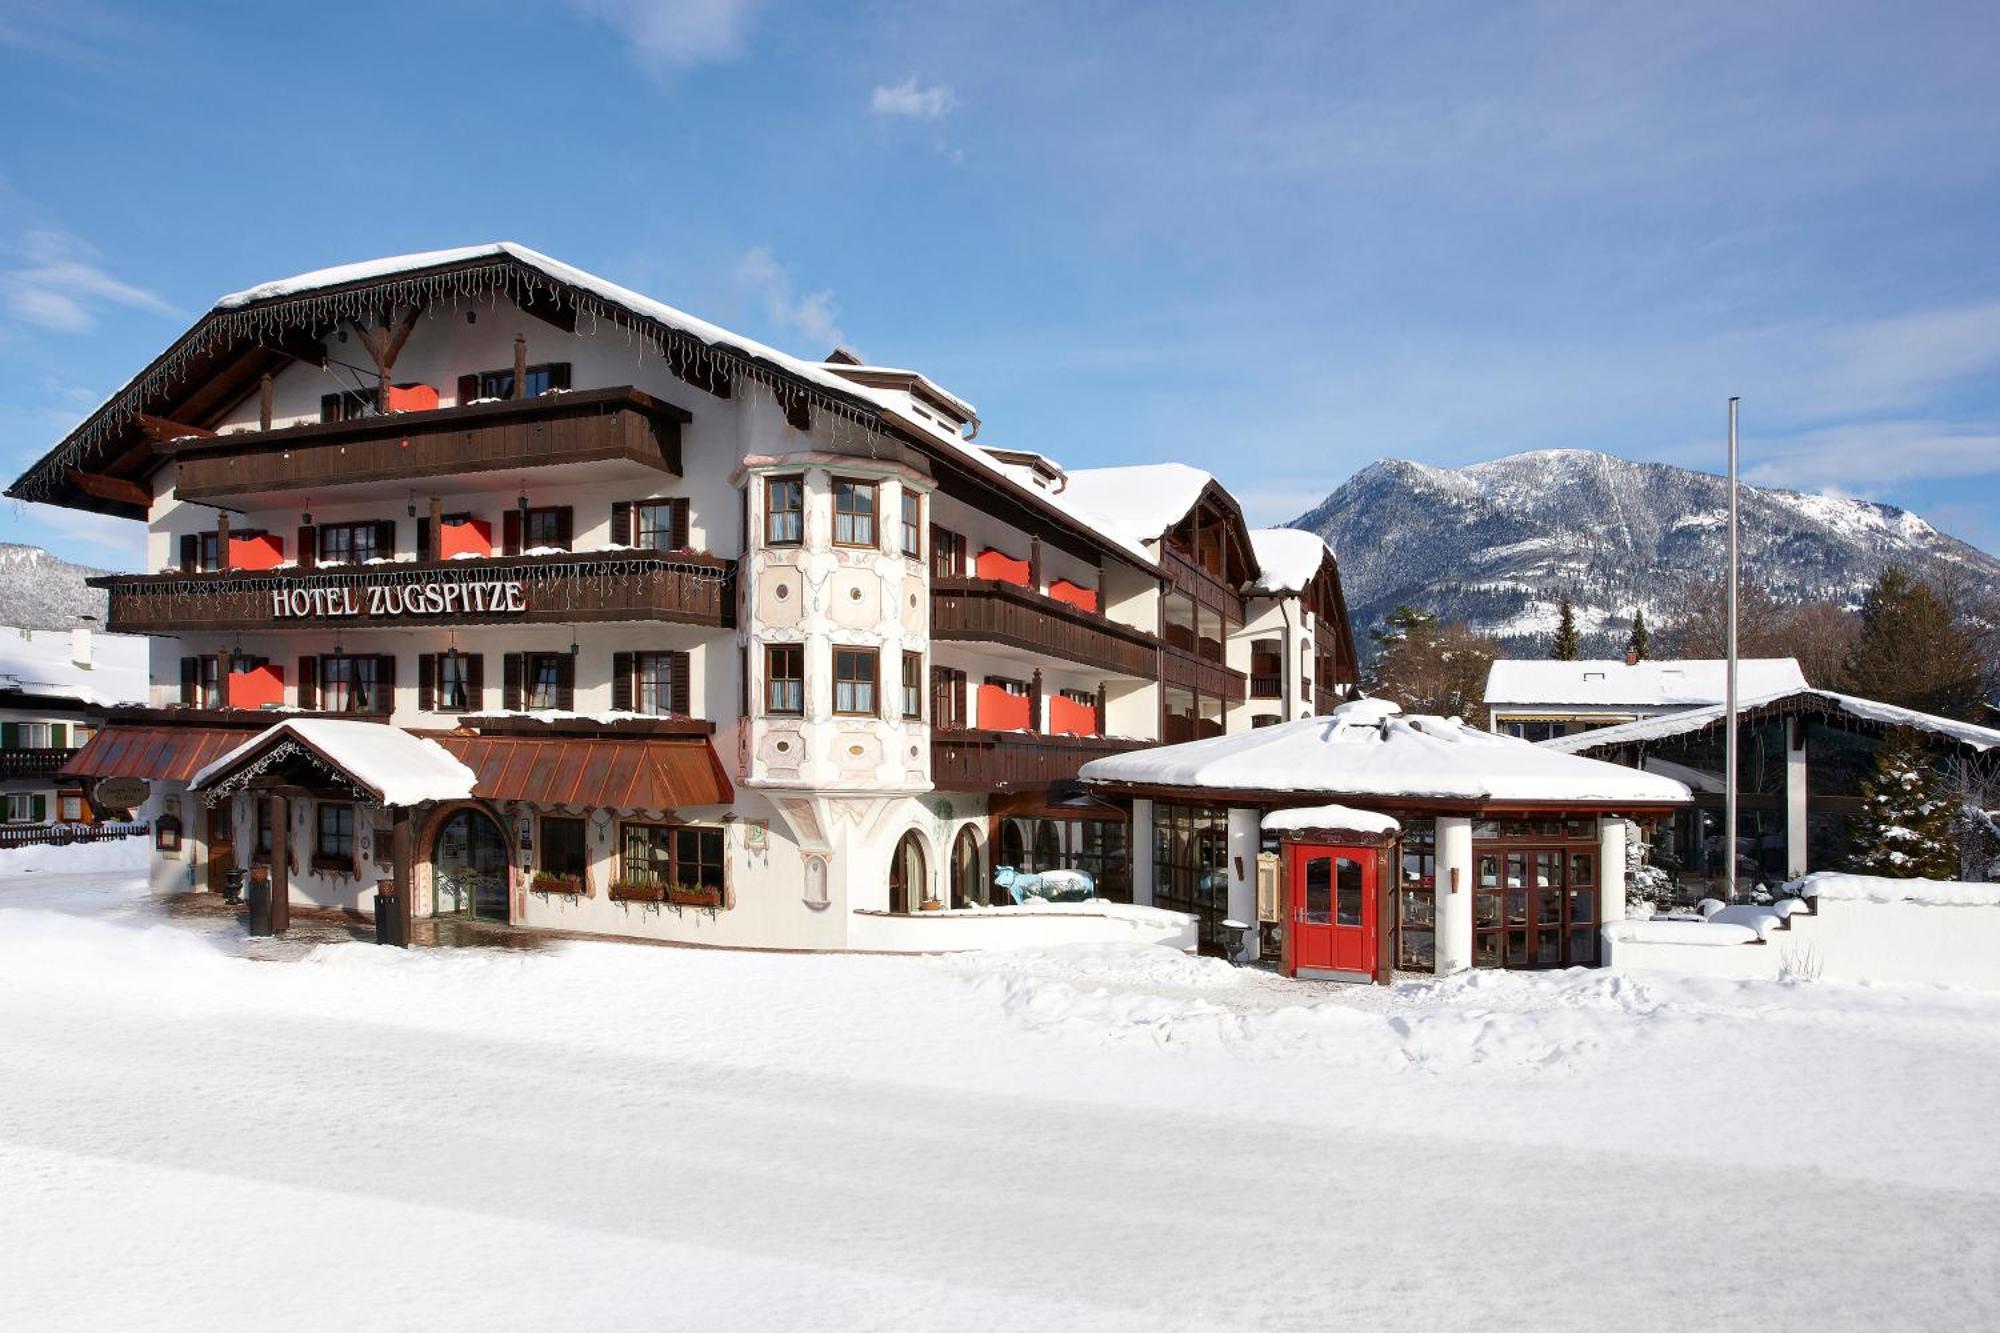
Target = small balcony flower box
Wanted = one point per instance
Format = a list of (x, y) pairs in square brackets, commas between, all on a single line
[(544, 882), (930, 905), (693, 895), (627, 891)]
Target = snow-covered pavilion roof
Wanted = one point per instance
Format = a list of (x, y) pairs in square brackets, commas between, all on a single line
[(1287, 559), (1670, 683), (1691, 720), (401, 769), (40, 662), (1369, 749)]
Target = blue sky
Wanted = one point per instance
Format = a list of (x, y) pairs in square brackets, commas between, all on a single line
[(1276, 241)]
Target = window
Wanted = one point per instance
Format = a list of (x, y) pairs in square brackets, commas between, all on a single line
[(947, 554), (785, 679), (542, 680), (201, 682), (1416, 898), (913, 524), (784, 511), (333, 843), (37, 735), (348, 405), (349, 543), (659, 525), (913, 685), (1533, 731), (21, 807), (454, 681), (1191, 865), (686, 855), (563, 847), (79, 735), (352, 685), (545, 527), (948, 708), (854, 681), (1267, 665), (69, 808), (853, 513), (500, 383), (653, 681), (201, 552)]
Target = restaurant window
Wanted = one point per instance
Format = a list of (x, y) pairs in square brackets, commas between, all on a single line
[(660, 525), (1416, 898), (1191, 865), (563, 847), (853, 513), (655, 686), (349, 543), (913, 524), (784, 511), (686, 855), (333, 843), (541, 680), (854, 681), (913, 685), (785, 679)]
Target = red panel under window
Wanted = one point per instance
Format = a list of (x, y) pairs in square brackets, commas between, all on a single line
[(1074, 593), (412, 398), (1001, 711), (266, 550), (994, 564), (1068, 717), (472, 537), (258, 687)]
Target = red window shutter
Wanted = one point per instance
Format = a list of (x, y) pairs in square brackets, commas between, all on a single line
[(565, 526), (621, 523), (510, 682), (475, 682), (309, 682), (677, 523), (468, 389), (190, 681), (427, 682), (566, 682), (308, 547), (385, 683), (510, 533), (678, 663), (385, 539), (621, 682)]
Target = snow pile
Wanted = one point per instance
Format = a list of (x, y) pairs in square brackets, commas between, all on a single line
[(1765, 919), (1138, 503), (1839, 886), (400, 768), (1342, 817), (1702, 934), (1287, 559), (1368, 748), (79, 858)]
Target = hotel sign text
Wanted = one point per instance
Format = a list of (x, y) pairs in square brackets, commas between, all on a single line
[(399, 599)]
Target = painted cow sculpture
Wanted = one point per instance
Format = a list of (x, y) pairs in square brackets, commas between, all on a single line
[(1049, 886)]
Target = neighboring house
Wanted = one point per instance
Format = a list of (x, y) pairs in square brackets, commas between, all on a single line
[(576, 602), (55, 689), (1537, 699)]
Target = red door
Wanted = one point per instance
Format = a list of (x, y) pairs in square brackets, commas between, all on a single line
[(1333, 911)]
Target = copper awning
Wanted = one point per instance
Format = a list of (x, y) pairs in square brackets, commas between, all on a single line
[(160, 754), (660, 773)]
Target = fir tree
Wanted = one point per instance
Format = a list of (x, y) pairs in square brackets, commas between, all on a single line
[(1568, 646), (1905, 827), (1911, 653), (1639, 644)]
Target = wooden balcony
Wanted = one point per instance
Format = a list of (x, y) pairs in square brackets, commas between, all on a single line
[(591, 425), (1180, 667), (36, 762), (1201, 585), (570, 587), (1001, 761), (970, 610)]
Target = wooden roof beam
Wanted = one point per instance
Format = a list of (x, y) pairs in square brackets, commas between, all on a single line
[(114, 489), (162, 429)]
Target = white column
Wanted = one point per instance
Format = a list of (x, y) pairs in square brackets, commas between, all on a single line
[(1142, 852), (1611, 870), (1246, 836), (1795, 798), (1454, 894)]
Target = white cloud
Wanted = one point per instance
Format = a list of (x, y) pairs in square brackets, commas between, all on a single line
[(673, 34), (812, 316), (62, 289), (1855, 457), (907, 99)]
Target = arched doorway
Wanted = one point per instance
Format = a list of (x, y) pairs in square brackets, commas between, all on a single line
[(968, 886), (469, 867), (906, 874)]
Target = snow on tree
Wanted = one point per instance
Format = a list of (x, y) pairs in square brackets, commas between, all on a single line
[(1640, 642), (1568, 646), (1905, 828)]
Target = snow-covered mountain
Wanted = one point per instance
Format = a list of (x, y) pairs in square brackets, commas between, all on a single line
[(1496, 544), (38, 591)]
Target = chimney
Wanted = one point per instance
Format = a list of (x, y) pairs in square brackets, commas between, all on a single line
[(79, 641), (1631, 657)]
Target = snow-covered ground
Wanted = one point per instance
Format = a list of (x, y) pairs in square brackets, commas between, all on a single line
[(599, 1136)]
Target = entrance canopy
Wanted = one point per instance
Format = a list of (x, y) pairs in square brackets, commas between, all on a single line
[(1369, 750), (385, 763)]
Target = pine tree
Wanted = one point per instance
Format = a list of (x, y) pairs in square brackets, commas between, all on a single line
[(1568, 646), (1905, 827), (1912, 653), (1639, 644)]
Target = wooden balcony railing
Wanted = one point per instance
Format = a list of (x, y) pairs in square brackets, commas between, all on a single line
[(590, 425), (1193, 672), (1201, 585), (992, 611), (997, 761), (34, 762), (570, 587)]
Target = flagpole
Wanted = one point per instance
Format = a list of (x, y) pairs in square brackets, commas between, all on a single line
[(1729, 706)]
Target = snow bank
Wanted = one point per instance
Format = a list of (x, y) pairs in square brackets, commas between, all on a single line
[(1702, 934), (114, 856), (1839, 886)]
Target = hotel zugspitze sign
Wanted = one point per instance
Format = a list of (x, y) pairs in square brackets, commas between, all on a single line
[(399, 599)]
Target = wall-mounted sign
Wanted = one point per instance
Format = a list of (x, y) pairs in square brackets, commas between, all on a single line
[(399, 599), (122, 793)]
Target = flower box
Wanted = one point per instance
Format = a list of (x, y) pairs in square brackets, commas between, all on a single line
[(544, 882), (637, 893), (682, 896), (930, 905)]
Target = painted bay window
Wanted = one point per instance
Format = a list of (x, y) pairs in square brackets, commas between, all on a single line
[(684, 855), (333, 838), (784, 511), (913, 685), (785, 679), (913, 524), (853, 513), (854, 679)]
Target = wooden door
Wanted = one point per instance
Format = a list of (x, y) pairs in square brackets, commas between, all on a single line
[(1333, 918), (221, 844)]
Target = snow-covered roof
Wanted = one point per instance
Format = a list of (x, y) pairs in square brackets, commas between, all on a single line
[(1330, 817), (1368, 748), (1696, 719), (400, 768), (1137, 503), (40, 662), (1287, 559), (1663, 684)]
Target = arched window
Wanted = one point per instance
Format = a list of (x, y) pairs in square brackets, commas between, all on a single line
[(1013, 848), (908, 884), (968, 886), (1048, 845)]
